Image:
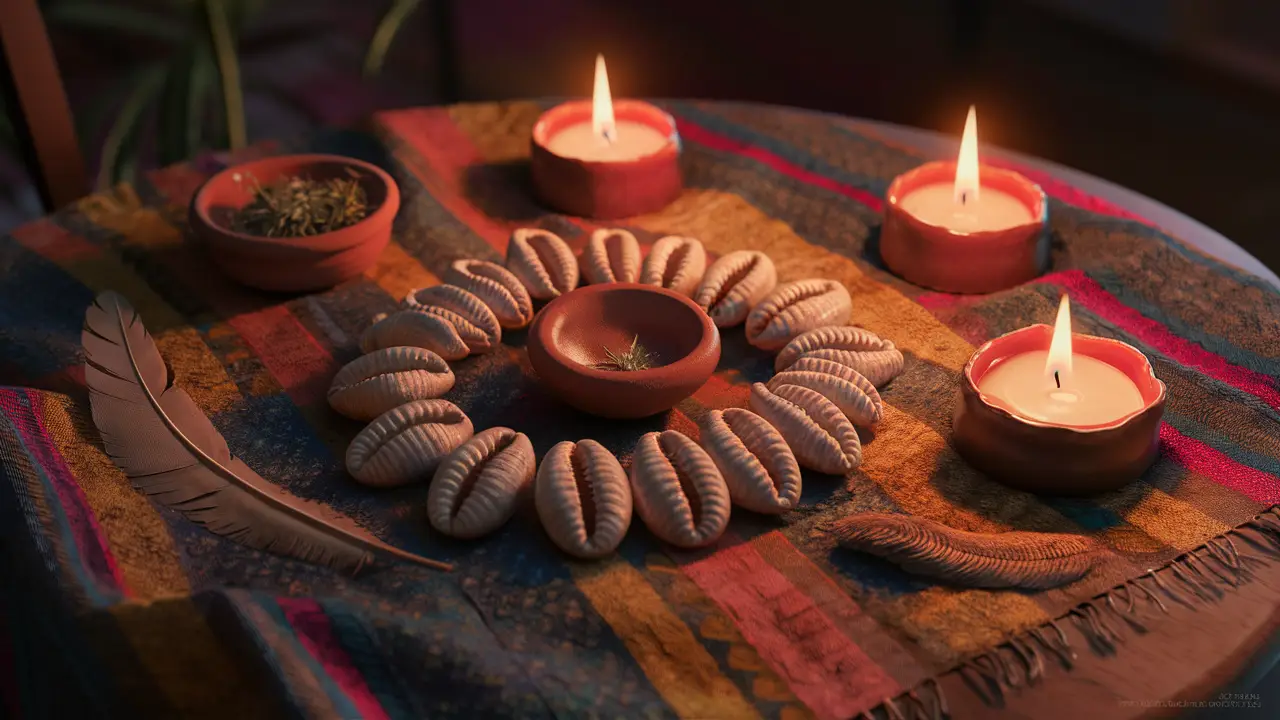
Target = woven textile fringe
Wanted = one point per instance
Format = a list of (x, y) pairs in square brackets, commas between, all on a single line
[(1199, 576)]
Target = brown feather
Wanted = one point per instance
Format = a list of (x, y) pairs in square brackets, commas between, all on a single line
[(170, 450), (996, 560)]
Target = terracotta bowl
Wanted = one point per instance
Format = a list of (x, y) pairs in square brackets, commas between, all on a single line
[(572, 332), (293, 264), (1054, 459)]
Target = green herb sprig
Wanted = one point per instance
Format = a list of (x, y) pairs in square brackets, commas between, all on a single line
[(634, 358)]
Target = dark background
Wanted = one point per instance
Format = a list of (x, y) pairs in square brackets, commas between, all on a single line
[(1177, 99)]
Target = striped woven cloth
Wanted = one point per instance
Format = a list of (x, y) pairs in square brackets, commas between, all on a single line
[(124, 607)]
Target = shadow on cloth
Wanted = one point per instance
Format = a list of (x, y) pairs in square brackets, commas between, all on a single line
[(502, 190)]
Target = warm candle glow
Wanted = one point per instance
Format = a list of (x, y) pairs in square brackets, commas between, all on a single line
[(602, 123), (1059, 360), (967, 186)]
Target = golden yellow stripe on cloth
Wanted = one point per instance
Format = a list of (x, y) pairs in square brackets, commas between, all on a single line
[(187, 661), (677, 665), (725, 222), (397, 272), (136, 535)]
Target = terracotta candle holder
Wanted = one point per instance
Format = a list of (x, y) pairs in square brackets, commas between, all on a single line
[(609, 188), (944, 259), (573, 334), (1049, 458)]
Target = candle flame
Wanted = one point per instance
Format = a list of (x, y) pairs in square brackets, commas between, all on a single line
[(602, 122), (1059, 361), (967, 164)]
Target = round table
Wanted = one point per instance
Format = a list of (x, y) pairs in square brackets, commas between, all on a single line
[(1188, 658)]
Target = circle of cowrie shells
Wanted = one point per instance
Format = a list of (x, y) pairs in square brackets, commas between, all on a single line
[(797, 307), (468, 307), (675, 263), (821, 437), (853, 394), (678, 490), (383, 380), (875, 358), (612, 255), (407, 444), (475, 489), (757, 464), (734, 284), (503, 292), (416, 328), (543, 262), (583, 498)]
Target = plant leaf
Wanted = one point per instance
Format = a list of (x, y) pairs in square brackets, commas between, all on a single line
[(385, 34), (119, 147), (159, 437), (223, 40), (113, 17)]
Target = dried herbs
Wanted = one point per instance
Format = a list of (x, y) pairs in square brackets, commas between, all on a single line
[(299, 206), (634, 358)]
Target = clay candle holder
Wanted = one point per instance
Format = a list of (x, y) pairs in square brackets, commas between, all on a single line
[(961, 227), (571, 334), (1055, 458), (605, 160), (293, 264)]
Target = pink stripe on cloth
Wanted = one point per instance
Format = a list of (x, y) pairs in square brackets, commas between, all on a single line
[(1067, 193), (446, 153), (315, 632), (1200, 458), (824, 668), (707, 138), (87, 534), (1095, 298), (295, 358)]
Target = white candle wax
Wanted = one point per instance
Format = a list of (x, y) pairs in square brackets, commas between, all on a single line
[(1097, 392), (991, 210), (632, 140)]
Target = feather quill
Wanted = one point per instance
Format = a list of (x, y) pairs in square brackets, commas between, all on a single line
[(166, 445)]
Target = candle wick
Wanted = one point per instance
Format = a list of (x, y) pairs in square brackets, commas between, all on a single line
[(1056, 380), (610, 134), (964, 197)]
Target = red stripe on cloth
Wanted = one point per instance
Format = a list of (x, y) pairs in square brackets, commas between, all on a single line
[(824, 668), (715, 141), (1067, 193), (315, 632), (88, 536), (1200, 458), (53, 242), (1092, 296), (446, 152), (297, 361)]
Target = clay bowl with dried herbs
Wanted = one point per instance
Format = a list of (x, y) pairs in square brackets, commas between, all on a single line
[(623, 350), (296, 223)]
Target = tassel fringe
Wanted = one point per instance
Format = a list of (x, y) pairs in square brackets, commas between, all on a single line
[(1193, 579)]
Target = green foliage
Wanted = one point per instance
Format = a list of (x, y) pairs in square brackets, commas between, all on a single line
[(188, 99), (388, 28)]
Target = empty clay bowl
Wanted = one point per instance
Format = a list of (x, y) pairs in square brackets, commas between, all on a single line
[(572, 333), (288, 264)]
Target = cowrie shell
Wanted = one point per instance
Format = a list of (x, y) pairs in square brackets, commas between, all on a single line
[(475, 489), (678, 490), (583, 498), (873, 357), (385, 379), (821, 437), (416, 328), (463, 304), (797, 307), (543, 262), (676, 263), (407, 444), (757, 464), (496, 287), (612, 255), (734, 284), (853, 394)]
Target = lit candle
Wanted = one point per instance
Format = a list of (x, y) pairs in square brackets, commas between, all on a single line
[(965, 206), (1059, 387), (605, 139)]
